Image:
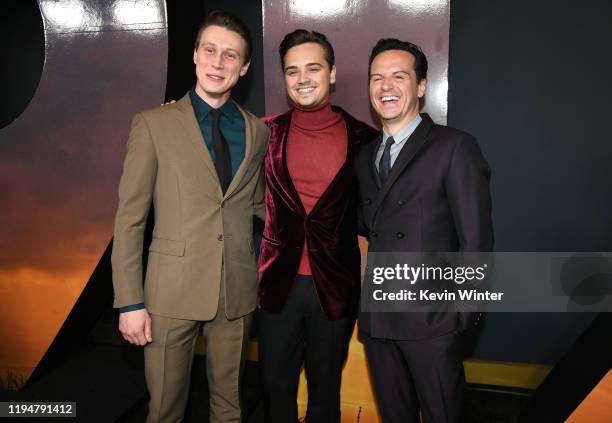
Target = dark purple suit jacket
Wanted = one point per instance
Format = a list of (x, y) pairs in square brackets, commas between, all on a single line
[(330, 228), (436, 199)]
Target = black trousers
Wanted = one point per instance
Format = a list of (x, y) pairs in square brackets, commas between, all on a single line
[(425, 375), (302, 334)]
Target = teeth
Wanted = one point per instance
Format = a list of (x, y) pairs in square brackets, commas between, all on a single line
[(305, 90), (389, 98), (215, 77)]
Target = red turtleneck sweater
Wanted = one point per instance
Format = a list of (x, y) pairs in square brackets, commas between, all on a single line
[(316, 149)]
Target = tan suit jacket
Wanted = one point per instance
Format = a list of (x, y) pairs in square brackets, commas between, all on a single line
[(200, 235)]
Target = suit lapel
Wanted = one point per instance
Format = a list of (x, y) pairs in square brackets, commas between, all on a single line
[(372, 161), (283, 126), (194, 134), (413, 145), (250, 138)]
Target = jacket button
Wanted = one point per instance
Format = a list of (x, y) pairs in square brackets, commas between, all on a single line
[(367, 201), (220, 237), (373, 234), (401, 202), (400, 235)]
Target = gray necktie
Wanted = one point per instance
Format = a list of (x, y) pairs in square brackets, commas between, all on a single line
[(384, 166)]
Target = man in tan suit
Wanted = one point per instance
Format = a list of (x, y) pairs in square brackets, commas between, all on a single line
[(198, 162)]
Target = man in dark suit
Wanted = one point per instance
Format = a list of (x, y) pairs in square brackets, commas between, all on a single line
[(424, 188), (309, 262)]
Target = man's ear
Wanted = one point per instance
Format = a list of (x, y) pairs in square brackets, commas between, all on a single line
[(245, 68), (332, 75), (195, 55), (421, 87)]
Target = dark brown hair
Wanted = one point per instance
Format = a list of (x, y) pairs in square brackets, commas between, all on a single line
[(302, 36)]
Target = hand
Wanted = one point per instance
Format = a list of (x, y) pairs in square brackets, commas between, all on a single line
[(135, 326), (169, 102)]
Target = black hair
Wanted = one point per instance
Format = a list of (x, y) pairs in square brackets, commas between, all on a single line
[(302, 36), (420, 62)]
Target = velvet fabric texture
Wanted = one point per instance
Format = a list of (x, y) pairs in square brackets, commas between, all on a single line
[(330, 229), (316, 149)]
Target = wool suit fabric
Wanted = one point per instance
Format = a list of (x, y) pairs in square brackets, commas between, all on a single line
[(201, 269), (436, 199)]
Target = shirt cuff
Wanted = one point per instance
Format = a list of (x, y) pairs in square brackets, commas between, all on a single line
[(132, 307)]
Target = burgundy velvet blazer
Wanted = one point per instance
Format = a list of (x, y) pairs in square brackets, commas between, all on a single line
[(330, 228)]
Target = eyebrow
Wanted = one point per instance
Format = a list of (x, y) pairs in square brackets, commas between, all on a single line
[(394, 73), (211, 44), (306, 65)]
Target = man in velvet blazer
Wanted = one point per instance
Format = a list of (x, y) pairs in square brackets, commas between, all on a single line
[(309, 264), (424, 188)]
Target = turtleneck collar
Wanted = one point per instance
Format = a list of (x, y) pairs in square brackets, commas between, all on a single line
[(315, 119)]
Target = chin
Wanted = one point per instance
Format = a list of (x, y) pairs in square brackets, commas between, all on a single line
[(214, 91), (302, 103)]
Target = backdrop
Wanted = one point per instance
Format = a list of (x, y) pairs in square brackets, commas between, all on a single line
[(60, 163)]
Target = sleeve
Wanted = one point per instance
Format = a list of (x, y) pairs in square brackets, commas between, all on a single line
[(467, 186), (362, 228), (132, 307), (259, 205), (135, 195)]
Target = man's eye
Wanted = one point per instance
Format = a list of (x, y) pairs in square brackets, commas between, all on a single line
[(314, 69), (291, 73), (231, 56), (209, 50)]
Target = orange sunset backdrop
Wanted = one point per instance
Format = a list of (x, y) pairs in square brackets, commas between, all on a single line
[(60, 163)]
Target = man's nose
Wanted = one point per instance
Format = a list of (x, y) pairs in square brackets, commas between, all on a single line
[(218, 61), (302, 77), (387, 84)]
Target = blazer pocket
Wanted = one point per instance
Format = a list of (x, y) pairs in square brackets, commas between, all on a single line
[(270, 240), (168, 246)]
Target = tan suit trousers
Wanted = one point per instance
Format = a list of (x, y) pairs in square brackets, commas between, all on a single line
[(168, 361)]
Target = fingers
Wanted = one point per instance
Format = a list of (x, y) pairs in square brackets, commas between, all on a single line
[(132, 336), (135, 326), (147, 330), (140, 337)]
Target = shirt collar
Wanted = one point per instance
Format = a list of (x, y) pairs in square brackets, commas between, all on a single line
[(405, 132), (202, 108)]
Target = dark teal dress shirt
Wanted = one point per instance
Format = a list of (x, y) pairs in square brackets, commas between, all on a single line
[(232, 127)]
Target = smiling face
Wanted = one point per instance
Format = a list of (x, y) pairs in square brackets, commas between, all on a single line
[(219, 63), (308, 77), (394, 91)]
